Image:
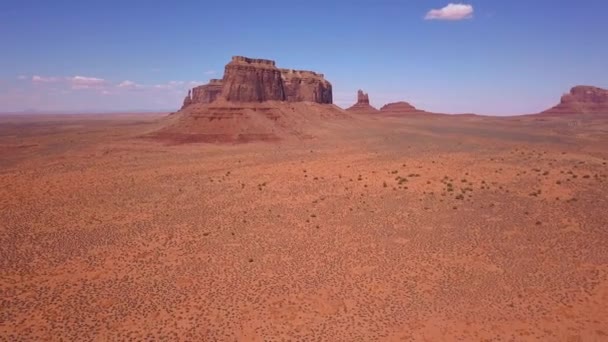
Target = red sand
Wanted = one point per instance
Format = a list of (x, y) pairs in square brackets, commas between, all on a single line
[(429, 228)]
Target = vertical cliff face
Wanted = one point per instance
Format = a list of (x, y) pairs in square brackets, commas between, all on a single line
[(362, 98), (309, 86), (258, 80), (252, 80), (207, 93)]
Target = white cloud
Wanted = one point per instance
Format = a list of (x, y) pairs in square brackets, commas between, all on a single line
[(171, 85), (22, 77), (210, 72), (130, 85), (82, 82), (451, 12), (126, 84), (195, 83), (41, 79)]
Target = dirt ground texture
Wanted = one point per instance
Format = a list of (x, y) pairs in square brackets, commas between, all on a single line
[(423, 228)]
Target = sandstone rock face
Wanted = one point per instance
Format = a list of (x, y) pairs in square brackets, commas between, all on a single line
[(362, 106), (362, 98), (582, 100), (259, 80), (252, 80), (306, 86), (399, 108), (207, 93)]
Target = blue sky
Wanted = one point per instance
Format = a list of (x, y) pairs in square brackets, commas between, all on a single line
[(506, 57)]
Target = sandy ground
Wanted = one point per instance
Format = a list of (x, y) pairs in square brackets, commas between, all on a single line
[(394, 229)]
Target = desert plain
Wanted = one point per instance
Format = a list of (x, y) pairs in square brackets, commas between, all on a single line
[(412, 228)]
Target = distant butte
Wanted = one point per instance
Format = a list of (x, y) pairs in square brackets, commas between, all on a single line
[(582, 100), (362, 106), (400, 108)]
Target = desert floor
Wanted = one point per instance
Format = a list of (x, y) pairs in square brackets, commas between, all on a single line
[(397, 229)]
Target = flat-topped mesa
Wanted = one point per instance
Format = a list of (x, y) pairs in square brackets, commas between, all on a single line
[(362, 105), (398, 108), (258, 80), (582, 100)]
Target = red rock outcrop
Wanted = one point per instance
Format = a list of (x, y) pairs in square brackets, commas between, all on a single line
[(207, 93), (252, 80), (582, 100), (308, 86), (362, 105), (258, 80), (187, 100), (400, 108), (254, 100)]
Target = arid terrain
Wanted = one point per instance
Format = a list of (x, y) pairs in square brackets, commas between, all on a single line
[(412, 228)]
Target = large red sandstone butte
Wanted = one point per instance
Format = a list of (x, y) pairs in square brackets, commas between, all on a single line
[(258, 80), (253, 101), (582, 100), (362, 106)]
